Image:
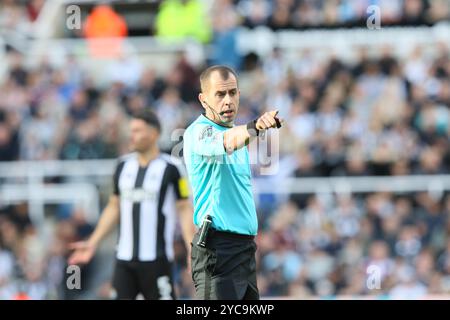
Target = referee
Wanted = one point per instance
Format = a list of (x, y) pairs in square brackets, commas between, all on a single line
[(223, 261), (149, 189)]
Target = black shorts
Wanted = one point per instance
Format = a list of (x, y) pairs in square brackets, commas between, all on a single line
[(153, 279), (226, 268)]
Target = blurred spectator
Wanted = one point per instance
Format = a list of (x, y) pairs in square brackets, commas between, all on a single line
[(408, 244), (254, 12), (413, 12), (408, 286), (177, 19), (14, 21), (224, 42), (346, 217), (379, 256), (280, 18), (439, 10), (170, 110), (104, 28), (9, 138), (34, 7), (189, 84), (126, 70)]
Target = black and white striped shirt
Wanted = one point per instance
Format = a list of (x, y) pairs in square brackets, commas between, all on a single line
[(148, 197)]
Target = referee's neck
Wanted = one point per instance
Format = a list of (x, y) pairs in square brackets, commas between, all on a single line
[(144, 158)]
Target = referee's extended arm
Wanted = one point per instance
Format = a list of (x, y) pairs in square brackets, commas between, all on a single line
[(85, 250)]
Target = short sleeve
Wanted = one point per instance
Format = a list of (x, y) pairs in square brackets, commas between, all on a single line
[(116, 176), (177, 178), (207, 141)]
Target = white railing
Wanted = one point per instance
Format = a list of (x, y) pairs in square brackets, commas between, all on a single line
[(343, 42), (84, 195), (25, 181), (396, 184), (3, 64), (54, 168)]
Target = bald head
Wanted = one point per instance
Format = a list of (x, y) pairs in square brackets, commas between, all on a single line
[(221, 71)]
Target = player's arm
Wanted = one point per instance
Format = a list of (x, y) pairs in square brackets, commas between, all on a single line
[(240, 136), (108, 221), (85, 250), (183, 204), (184, 208), (185, 213)]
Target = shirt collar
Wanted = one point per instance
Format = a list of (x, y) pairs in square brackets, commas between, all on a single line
[(221, 125)]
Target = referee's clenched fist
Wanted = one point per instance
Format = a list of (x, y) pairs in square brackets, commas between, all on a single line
[(269, 120)]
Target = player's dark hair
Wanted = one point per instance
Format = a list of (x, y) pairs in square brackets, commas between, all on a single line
[(149, 117)]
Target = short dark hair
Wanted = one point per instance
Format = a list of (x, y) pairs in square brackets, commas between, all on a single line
[(224, 72), (149, 117)]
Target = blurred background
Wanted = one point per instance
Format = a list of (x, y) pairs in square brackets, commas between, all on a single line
[(359, 207)]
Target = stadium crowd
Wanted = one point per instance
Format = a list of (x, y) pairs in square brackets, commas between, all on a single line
[(375, 116), (292, 14)]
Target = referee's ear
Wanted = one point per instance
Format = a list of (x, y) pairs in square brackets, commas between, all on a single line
[(201, 98)]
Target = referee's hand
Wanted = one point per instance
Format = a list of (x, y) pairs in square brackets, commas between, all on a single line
[(269, 120), (84, 251)]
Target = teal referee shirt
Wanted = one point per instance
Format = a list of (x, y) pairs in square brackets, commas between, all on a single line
[(220, 182)]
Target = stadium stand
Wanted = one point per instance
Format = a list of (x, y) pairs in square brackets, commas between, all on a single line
[(363, 111)]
